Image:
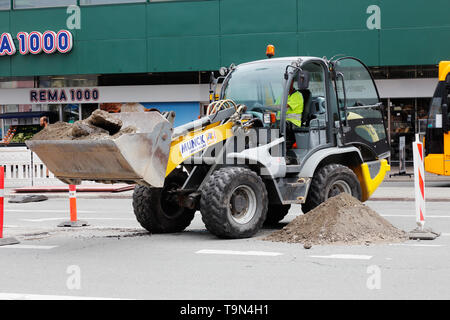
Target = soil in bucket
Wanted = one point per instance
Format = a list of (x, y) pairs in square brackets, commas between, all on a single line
[(100, 125)]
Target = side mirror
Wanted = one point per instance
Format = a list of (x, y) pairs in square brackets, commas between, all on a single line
[(303, 80)]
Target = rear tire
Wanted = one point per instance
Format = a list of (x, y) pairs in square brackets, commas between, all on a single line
[(157, 210), (328, 182), (276, 213), (234, 203)]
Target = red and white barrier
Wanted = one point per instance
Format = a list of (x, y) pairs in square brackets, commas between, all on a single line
[(3, 241), (73, 202), (420, 233), (74, 222), (419, 181)]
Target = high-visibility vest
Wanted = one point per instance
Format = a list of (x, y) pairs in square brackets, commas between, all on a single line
[(294, 113)]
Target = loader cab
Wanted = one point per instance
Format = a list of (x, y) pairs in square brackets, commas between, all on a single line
[(263, 86), (341, 102)]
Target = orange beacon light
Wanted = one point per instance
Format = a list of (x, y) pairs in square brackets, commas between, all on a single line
[(270, 51)]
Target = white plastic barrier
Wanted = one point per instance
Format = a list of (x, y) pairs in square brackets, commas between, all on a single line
[(17, 163), (24, 168)]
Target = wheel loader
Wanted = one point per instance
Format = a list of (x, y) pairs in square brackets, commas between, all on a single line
[(437, 135), (240, 164)]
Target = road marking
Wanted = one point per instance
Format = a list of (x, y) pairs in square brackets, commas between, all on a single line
[(25, 246), (241, 253), (345, 256), (411, 216), (65, 218), (416, 245), (26, 296), (46, 211)]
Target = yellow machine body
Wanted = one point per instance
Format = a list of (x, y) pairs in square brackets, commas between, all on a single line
[(188, 145), (439, 163), (370, 181)]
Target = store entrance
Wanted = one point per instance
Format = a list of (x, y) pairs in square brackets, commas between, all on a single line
[(406, 117)]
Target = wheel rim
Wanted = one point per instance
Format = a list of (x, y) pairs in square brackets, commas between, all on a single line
[(243, 204), (339, 186)]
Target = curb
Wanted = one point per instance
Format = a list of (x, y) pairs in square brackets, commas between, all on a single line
[(79, 196)]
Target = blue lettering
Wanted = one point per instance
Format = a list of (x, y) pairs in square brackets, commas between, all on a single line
[(63, 97), (7, 46)]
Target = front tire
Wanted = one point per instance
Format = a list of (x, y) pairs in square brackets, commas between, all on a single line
[(157, 210), (234, 203), (330, 181)]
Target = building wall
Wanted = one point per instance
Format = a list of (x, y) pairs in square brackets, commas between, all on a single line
[(204, 35)]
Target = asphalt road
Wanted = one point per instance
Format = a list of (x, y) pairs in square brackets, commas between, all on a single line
[(116, 258)]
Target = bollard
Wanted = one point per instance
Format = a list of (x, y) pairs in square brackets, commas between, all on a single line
[(74, 222), (4, 241), (420, 233)]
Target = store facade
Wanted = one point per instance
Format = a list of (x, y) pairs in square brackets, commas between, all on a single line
[(65, 58)]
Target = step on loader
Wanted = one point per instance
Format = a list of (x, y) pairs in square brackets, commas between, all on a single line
[(241, 164)]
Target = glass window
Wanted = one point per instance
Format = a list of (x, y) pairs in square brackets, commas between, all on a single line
[(5, 4), (16, 82), (68, 81), (26, 4), (71, 113), (93, 2), (257, 85), (359, 87), (316, 79), (87, 109)]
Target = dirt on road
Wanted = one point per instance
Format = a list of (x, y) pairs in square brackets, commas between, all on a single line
[(340, 220), (100, 125)]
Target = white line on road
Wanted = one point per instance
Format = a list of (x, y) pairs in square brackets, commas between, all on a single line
[(45, 211), (26, 296), (63, 218), (242, 253), (416, 245), (411, 216), (345, 256), (25, 246)]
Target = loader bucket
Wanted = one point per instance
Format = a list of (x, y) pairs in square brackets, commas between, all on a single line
[(139, 157)]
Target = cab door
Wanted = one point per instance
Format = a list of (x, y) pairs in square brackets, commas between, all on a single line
[(360, 109)]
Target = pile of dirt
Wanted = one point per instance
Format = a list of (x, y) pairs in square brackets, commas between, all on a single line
[(100, 125), (340, 220)]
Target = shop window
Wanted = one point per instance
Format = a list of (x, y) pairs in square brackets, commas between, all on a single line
[(5, 4), (27, 4), (94, 2), (403, 123), (68, 81), (87, 109), (16, 82), (71, 113), (11, 108), (25, 108)]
